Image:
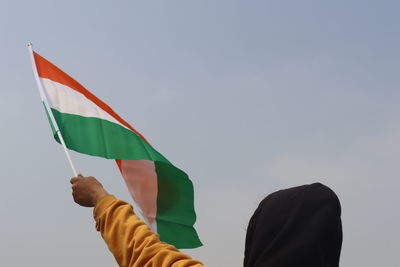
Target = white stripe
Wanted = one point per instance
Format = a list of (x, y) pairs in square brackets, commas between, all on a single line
[(66, 100)]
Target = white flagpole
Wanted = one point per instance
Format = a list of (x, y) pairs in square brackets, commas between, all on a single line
[(47, 106)]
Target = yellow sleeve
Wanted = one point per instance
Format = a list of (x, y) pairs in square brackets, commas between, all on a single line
[(131, 241)]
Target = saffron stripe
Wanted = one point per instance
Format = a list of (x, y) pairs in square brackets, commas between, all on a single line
[(141, 179)]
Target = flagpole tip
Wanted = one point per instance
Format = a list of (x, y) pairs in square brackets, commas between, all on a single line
[(29, 44)]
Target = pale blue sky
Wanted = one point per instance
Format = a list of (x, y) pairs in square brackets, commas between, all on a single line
[(247, 97)]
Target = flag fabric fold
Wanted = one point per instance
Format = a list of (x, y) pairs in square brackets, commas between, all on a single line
[(164, 193)]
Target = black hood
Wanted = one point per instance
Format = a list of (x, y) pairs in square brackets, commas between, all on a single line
[(299, 226)]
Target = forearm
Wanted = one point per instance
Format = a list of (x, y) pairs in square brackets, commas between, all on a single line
[(131, 241)]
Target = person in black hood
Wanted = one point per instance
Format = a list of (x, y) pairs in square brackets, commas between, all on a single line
[(299, 226)]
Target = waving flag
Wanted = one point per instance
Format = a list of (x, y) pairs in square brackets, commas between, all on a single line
[(163, 192)]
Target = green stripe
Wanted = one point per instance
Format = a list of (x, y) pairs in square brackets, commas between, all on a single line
[(97, 137), (53, 129), (175, 207)]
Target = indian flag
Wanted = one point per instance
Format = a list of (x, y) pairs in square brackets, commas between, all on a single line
[(163, 193)]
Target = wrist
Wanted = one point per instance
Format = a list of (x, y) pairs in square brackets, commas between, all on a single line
[(98, 196)]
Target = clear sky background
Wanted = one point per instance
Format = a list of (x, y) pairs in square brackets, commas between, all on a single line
[(247, 97)]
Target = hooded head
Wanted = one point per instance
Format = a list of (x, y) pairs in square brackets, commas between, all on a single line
[(299, 226)]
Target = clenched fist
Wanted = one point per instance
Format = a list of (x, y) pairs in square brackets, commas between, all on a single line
[(87, 191)]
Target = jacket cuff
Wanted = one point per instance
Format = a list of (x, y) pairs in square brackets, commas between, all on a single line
[(102, 205)]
